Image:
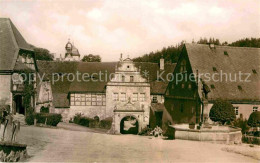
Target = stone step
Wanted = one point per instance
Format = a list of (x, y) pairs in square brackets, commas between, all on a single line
[(20, 118)]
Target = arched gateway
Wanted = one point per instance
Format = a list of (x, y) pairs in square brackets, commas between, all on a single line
[(129, 125)]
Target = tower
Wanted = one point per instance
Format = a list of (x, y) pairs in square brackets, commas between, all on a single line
[(72, 53)]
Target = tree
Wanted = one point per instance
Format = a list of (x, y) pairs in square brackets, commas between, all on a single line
[(254, 119), (91, 58), (43, 54), (222, 111), (170, 54), (247, 42)]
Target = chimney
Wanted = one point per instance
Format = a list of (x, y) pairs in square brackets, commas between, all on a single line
[(121, 57), (162, 63)]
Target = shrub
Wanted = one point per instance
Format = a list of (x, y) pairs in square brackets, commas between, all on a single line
[(254, 119), (44, 109), (222, 111), (106, 123), (241, 124), (51, 119), (250, 140), (29, 119), (145, 131)]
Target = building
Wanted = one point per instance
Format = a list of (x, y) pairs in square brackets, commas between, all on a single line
[(214, 72), (72, 53), (17, 59), (123, 90)]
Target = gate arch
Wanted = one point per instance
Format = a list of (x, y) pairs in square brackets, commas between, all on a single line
[(129, 125)]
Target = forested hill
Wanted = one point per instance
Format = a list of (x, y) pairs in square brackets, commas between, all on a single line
[(171, 53)]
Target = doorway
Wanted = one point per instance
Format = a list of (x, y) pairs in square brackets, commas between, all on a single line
[(129, 125), (19, 108)]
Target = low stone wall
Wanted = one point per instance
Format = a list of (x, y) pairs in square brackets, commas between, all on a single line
[(12, 152), (228, 136)]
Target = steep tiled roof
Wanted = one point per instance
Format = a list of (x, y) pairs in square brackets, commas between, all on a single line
[(61, 89), (231, 60), (158, 84), (90, 85), (11, 41)]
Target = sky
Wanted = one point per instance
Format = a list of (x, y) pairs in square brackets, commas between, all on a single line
[(132, 27)]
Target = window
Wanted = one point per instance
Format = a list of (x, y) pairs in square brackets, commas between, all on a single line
[(236, 110), (214, 69), (212, 86), (88, 99), (77, 99), (183, 66), (254, 71), (189, 86), (115, 97), (135, 97), (155, 99), (182, 85), (123, 78), (255, 109), (99, 99), (82, 99), (128, 66), (123, 97), (131, 78), (72, 99), (142, 97), (93, 99)]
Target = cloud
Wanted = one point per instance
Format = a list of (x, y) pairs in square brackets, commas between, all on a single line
[(111, 27)]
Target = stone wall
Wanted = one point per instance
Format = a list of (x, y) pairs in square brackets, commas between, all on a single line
[(12, 152), (88, 111)]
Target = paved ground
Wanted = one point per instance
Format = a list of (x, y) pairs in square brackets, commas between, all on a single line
[(45, 144)]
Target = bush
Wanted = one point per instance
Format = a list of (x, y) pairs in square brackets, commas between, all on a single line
[(250, 140), (241, 124), (222, 111), (29, 119), (254, 119), (51, 119), (106, 123), (44, 109), (145, 131)]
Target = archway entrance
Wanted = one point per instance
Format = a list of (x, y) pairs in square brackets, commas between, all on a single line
[(129, 125), (19, 108)]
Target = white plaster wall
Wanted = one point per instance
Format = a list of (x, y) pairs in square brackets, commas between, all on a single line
[(5, 90), (88, 111)]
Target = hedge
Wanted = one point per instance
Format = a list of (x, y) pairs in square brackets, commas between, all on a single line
[(51, 119), (106, 123), (92, 123), (254, 119), (251, 140)]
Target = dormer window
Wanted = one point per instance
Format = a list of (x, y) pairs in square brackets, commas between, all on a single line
[(183, 66)]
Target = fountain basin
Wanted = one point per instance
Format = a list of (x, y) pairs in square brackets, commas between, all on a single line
[(217, 134), (12, 152)]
